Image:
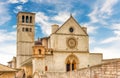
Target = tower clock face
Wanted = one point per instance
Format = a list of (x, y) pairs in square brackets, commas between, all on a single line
[(71, 42)]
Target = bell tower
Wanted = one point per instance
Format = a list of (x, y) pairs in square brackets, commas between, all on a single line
[(25, 36)]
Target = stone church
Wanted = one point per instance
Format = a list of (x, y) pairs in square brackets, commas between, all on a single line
[(66, 49)]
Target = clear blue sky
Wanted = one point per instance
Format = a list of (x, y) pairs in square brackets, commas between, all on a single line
[(101, 17)]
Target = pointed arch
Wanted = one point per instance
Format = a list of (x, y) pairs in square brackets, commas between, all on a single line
[(71, 62), (72, 57)]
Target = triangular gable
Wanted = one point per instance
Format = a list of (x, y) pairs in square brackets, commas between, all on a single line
[(4, 68), (71, 22)]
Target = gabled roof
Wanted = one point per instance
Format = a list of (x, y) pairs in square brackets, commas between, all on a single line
[(4, 68), (71, 17)]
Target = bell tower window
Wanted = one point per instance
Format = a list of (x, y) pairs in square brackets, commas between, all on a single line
[(30, 19), (23, 19), (26, 29), (27, 19)]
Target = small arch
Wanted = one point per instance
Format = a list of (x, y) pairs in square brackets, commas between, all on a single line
[(30, 19), (23, 18), (27, 19)]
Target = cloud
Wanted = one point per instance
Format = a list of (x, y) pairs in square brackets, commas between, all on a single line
[(111, 51), (102, 11), (13, 1), (61, 17), (117, 32), (7, 36), (18, 8), (14, 26), (24, 1), (48, 1), (116, 37), (7, 51), (92, 40), (7, 45), (116, 28), (17, 1), (59, 5), (108, 7), (110, 46), (91, 29), (4, 13), (45, 21), (110, 39)]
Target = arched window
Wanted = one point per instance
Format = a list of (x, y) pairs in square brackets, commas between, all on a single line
[(71, 62), (39, 50), (27, 19), (26, 29), (30, 19), (23, 19)]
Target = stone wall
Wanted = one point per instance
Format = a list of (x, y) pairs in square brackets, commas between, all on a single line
[(7, 74), (106, 70)]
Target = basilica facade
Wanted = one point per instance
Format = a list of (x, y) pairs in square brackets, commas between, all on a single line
[(65, 49)]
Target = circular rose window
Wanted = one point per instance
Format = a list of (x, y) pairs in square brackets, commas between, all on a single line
[(71, 42)]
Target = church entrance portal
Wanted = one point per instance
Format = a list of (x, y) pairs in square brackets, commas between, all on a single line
[(71, 63)]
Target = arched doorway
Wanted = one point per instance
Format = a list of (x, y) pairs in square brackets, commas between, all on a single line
[(71, 63)]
